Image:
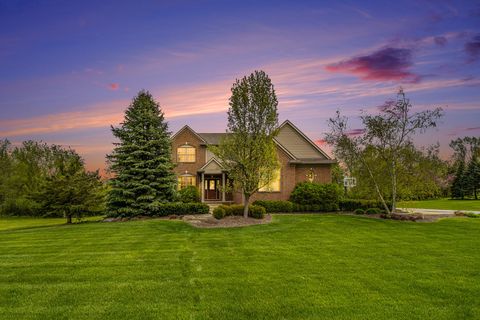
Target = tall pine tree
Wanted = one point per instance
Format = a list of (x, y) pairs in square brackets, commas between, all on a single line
[(141, 161)]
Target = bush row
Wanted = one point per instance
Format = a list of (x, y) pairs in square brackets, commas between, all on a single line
[(254, 211), (288, 206), (177, 208), (325, 196), (353, 204)]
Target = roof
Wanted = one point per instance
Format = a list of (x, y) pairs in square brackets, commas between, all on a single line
[(298, 144), (212, 137), (212, 166), (291, 140)]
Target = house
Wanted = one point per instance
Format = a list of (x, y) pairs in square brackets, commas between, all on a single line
[(301, 160)]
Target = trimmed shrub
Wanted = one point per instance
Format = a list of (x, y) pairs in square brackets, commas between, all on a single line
[(189, 194), (254, 211), (352, 204), (315, 193), (177, 208), (373, 211), (219, 213), (276, 206), (359, 211)]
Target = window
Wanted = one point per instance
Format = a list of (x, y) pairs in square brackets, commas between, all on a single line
[(186, 153), (185, 181), (274, 185)]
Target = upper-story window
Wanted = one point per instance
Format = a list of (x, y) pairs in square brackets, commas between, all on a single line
[(186, 153)]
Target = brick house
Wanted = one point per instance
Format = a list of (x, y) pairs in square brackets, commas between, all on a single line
[(300, 158)]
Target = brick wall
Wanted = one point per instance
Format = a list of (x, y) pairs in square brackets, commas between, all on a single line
[(186, 136)]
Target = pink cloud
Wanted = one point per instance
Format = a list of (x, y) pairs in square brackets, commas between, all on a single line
[(384, 64), (114, 86)]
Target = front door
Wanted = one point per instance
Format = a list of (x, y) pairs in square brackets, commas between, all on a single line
[(212, 189)]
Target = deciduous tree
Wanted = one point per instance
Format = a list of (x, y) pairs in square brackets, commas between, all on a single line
[(248, 152), (386, 134)]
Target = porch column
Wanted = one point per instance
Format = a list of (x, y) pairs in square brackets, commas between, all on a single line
[(223, 186), (202, 186)]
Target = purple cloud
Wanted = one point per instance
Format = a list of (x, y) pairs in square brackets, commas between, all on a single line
[(384, 64), (472, 48), (440, 41), (355, 132)]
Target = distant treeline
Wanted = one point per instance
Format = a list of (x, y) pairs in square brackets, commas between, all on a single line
[(37, 179)]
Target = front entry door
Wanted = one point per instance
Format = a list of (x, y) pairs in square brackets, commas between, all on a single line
[(212, 189)]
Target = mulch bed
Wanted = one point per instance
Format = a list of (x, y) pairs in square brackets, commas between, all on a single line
[(208, 221), (203, 220)]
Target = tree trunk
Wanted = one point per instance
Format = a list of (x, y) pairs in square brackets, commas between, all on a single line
[(394, 187), (376, 187), (246, 201), (69, 219)]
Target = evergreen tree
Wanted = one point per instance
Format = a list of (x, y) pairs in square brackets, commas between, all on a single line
[(141, 161), (459, 183), (472, 176)]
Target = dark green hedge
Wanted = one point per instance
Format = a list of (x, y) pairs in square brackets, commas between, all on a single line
[(288, 206), (324, 197), (254, 211), (352, 204), (177, 208)]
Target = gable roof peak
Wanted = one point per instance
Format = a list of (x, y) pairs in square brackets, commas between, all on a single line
[(187, 127), (304, 136)]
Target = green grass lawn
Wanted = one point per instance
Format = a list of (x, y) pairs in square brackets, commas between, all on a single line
[(11, 223), (443, 204), (297, 267)]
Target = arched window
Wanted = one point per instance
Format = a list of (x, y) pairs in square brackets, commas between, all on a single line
[(186, 153), (186, 180)]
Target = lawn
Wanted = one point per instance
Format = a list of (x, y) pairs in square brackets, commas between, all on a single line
[(443, 204), (297, 267)]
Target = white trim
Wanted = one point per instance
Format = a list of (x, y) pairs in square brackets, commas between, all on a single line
[(209, 161)]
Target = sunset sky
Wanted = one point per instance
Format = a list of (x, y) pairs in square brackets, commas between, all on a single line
[(69, 69)]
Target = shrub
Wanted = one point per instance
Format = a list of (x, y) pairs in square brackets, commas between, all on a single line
[(189, 194), (20, 207), (219, 213), (467, 214), (276, 206), (322, 197), (373, 211), (359, 211), (352, 204), (254, 211), (178, 208)]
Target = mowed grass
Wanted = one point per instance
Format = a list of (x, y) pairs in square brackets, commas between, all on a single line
[(442, 204), (11, 223), (297, 267)]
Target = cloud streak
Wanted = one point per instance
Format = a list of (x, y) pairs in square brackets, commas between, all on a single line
[(472, 48), (385, 64)]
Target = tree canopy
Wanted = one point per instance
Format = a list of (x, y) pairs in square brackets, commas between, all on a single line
[(141, 160), (385, 136), (248, 152)]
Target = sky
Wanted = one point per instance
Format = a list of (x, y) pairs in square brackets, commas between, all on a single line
[(68, 70)]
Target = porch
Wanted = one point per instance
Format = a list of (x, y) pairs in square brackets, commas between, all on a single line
[(214, 183)]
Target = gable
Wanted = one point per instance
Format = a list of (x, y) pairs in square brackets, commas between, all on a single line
[(212, 166), (186, 133), (297, 143)]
